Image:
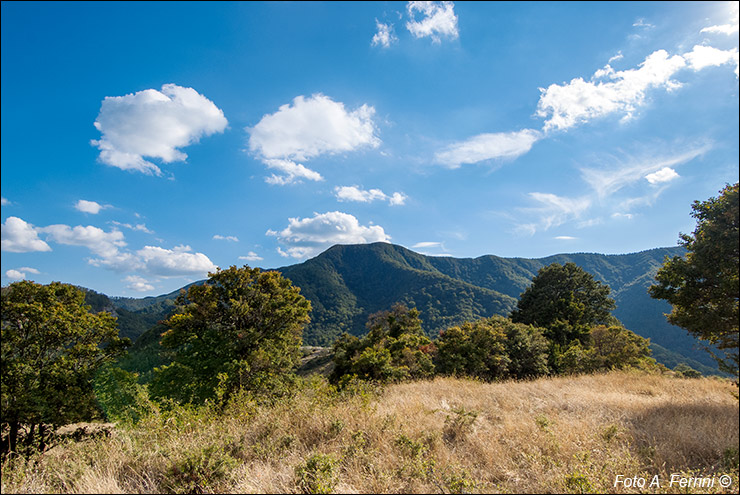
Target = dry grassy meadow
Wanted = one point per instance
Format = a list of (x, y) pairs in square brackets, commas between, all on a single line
[(556, 435)]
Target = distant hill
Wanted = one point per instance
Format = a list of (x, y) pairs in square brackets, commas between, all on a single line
[(347, 283)]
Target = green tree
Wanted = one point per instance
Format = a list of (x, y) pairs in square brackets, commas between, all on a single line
[(52, 346), (241, 329), (395, 348), (492, 348), (703, 286), (566, 301)]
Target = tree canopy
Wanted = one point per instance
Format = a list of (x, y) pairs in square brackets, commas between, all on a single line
[(241, 329), (703, 286), (566, 301), (52, 346)]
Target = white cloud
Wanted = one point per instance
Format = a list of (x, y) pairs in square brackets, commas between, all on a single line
[(138, 284), (90, 206), (426, 244), (707, 56), (226, 238), (154, 124), (21, 237), (384, 37), (398, 199), (607, 181), (4, 202), (251, 256), (174, 262), (556, 210), (309, 236), (306, 129), (502, 145), (15, 275), (293, 172), (439, 20), (101, 243), (355, 193), (139, 226), (565, 238), (731, 27), (665, 174), (20, 273), (581, 101)]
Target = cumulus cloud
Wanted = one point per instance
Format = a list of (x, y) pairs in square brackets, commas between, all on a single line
[(291, 172), (90, 206), (154, 124), (707, 56), (20, 273), (438, 20), (622, 92), (580, 101), (665, 174), (309, 236), (101, 243), (501, 145), (21, 237), (729, 28), (384, 37), (138, 284), (174, 262), (308, 128), (355, 193)]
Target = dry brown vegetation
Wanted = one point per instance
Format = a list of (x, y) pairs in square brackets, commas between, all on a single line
[(564, 434)]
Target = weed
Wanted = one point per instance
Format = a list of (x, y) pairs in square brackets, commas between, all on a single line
[(317, 474)]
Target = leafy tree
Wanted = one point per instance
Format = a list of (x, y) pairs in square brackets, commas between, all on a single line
[(566, 301), (607, 348), (395, 348), (473, 349), (241, 329), (492, 348), (52, 346), (703, 287)]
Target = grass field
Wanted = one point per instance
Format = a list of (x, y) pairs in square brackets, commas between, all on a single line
[(565, 434)]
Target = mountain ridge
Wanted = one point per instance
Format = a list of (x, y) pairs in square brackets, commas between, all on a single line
[(347, 283)]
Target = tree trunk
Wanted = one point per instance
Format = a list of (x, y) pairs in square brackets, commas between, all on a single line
[(13, 437)]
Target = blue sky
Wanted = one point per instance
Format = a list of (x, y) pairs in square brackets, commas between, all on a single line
[(144, 144)]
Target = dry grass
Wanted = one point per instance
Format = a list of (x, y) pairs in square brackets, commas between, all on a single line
[(447, 435)]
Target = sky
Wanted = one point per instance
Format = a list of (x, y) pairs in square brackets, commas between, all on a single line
[(144, 144)]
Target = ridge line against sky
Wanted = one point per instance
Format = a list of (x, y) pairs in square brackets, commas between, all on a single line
[(455, 129)]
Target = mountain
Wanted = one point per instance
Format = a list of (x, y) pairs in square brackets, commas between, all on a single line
[(347, 283)]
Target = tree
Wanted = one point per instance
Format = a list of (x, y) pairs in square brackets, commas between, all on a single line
[(492, 348), (241, 329), (52, 346), (566, 301), (703, 286), (395, 348)]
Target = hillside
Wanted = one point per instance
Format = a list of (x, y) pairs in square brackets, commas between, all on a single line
[(347, 283), (551, 435)]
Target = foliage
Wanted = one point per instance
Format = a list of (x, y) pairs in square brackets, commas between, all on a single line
[(120, 396), (492, 348), (395, 348), (607, 348), (52, 346), (686, 371), (566, 301), (703, 287), (473, 349), (317, 474), (241, 329)]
